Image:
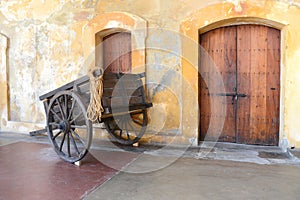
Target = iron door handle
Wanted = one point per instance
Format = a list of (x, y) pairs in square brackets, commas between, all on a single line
[(241, 95), (223, 94), (235, 95)]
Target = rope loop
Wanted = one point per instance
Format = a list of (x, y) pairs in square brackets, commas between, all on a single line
[(95, 108)]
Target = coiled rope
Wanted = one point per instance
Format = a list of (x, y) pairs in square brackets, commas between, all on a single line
[(95, 108)]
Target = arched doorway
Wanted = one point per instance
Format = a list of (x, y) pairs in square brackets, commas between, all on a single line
[(248, 59), (113, 52)]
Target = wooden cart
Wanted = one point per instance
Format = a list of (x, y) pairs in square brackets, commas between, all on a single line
[(125, 113)]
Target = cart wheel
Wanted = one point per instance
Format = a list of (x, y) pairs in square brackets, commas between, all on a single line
[(127, 129), (69, 131)]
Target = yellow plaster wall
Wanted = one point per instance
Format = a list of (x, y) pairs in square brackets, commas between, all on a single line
[(52, 42)]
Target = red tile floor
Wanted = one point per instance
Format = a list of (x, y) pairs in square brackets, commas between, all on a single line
[(34, 171)]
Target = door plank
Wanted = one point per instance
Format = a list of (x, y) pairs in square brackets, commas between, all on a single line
[(243, 82), (273, 86), (258, 114), (204, 102), (258, 130), (220, 45)]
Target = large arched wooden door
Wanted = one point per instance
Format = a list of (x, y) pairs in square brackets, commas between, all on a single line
[(248, 59), (117, 52)]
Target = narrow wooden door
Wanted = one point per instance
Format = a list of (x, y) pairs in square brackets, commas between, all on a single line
[(117, 52), (259, 78), (220, 45), (248, 58)]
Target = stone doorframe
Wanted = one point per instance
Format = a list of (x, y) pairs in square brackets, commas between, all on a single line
[(108, 23), (198, 23), (4, 101), (6, 124)]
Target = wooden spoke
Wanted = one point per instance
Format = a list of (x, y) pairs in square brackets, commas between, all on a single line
[(120, 127), (57, 134), (62, 142), (133, 129), (77, 136), (60, 108), (74, 144), (71, 110), (137, 122), (66, 105), (56, 115), (120, 132), (127, 132), (125, 129), (76, 117), (69, 146), (53, 124)]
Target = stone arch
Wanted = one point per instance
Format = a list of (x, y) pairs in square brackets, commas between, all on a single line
[(240, 21), (108, 23), (6, 123)]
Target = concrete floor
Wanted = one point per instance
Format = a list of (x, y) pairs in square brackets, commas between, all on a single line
[(29, 169), (189, 178)]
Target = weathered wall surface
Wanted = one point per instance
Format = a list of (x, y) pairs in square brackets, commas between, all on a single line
[(51, 42)]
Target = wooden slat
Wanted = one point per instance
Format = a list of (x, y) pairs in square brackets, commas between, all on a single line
[(220, 44), (108, 115), (67, 86), (204, 101), (124, 90), (229, 79), (273, 86), (82, 88), (122, 100), (134, 83), (258, 114), (243, 82), (133, 92)]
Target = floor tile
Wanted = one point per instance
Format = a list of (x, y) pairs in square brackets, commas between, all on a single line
[(34, 171)]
